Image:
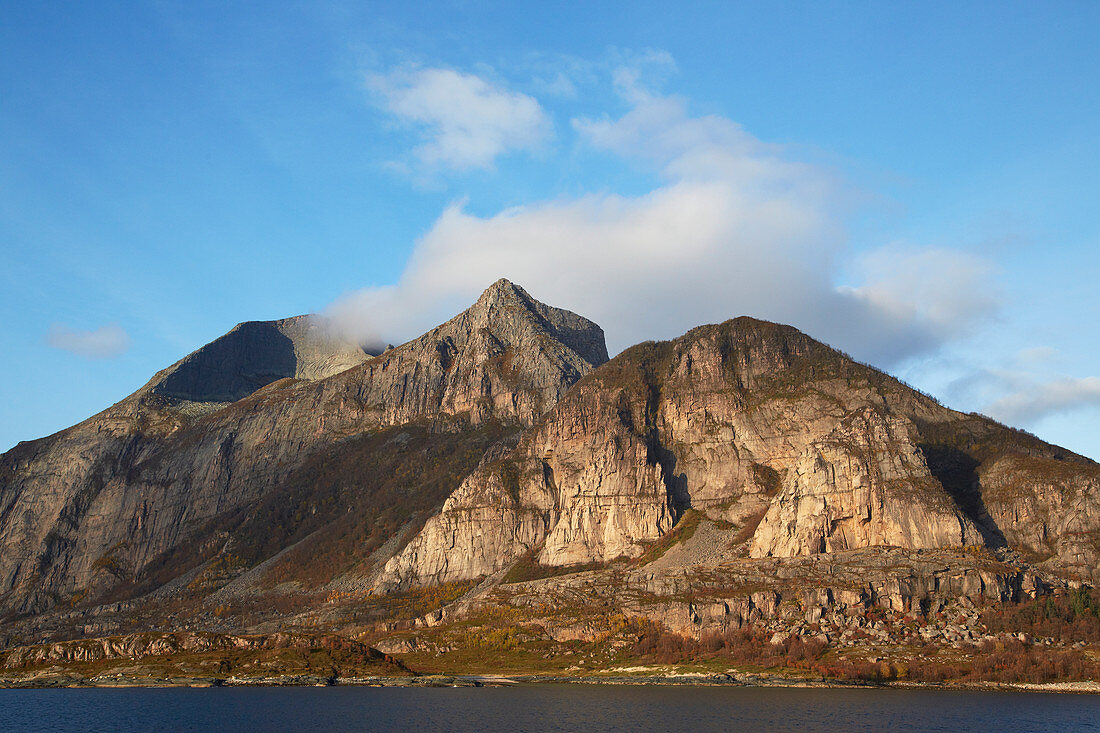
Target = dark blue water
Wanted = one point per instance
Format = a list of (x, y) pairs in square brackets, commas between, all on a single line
[(543, 708)]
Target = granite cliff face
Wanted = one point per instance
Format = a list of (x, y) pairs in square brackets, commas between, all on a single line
[(793, 444), (161, 480), (863, 485)]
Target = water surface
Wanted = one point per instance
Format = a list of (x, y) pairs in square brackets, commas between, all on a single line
[(544, 708)]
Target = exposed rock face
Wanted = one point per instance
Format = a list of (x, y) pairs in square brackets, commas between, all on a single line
[(136, 646), (863, 485), (255, 354), (1045, 502), (280, 453), (507, 357), (580, 487), (749, 422), (153, 659), (104, 502)]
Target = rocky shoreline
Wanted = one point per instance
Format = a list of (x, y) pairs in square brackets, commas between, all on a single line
[(730, 679)]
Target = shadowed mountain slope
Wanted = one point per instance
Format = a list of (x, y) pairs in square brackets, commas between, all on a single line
[(255, 354)]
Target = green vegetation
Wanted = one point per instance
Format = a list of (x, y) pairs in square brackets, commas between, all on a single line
[(402, 607)]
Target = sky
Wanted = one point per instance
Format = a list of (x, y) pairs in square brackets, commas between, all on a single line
[(913, 183)]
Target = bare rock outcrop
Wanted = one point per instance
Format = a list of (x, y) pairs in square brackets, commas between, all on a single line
[(506, 357), (255, 354), (863, 485), (751, 422), (570, 490), (108, 502)]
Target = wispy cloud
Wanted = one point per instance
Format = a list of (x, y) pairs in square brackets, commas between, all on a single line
[(736, 226), (467, 121), (1036, 401), (1023, 389), (102, 343)]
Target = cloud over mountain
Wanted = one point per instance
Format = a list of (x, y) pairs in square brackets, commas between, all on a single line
[(1037, 401), (735, 226)]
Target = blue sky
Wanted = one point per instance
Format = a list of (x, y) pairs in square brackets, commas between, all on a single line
[(913, 183)]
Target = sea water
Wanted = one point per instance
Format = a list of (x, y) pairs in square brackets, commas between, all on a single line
[(544, 708)]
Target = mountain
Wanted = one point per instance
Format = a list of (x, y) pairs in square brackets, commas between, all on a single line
[(758, 425), (162, 481), (500, 472)]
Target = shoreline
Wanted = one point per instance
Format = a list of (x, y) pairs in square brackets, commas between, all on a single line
[(62, 681)]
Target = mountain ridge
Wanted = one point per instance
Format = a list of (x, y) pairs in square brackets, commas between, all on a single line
[(145, 444), (651, 468), (501, 464)]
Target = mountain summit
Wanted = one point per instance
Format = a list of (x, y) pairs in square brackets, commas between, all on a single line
[(253, 355), (101, 507), (802, 450)]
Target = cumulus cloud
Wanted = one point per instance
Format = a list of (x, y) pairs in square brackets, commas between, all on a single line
[(466, 121), (1037, 401), (102, 343), (736, 226)]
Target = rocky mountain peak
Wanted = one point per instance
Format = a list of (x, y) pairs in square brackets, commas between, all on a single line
[(505, 304), (503, 290), (507, 357), (254, 354)]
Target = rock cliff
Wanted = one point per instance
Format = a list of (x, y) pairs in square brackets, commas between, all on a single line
[(863, 485), (166, 479), (793, 444), (738, 464)]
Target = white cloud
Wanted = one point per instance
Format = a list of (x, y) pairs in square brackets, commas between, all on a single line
[(1037, 401), (944, 289), (467, 121), (102, 343), (1023, 389), (737, 227), (631, 67)]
